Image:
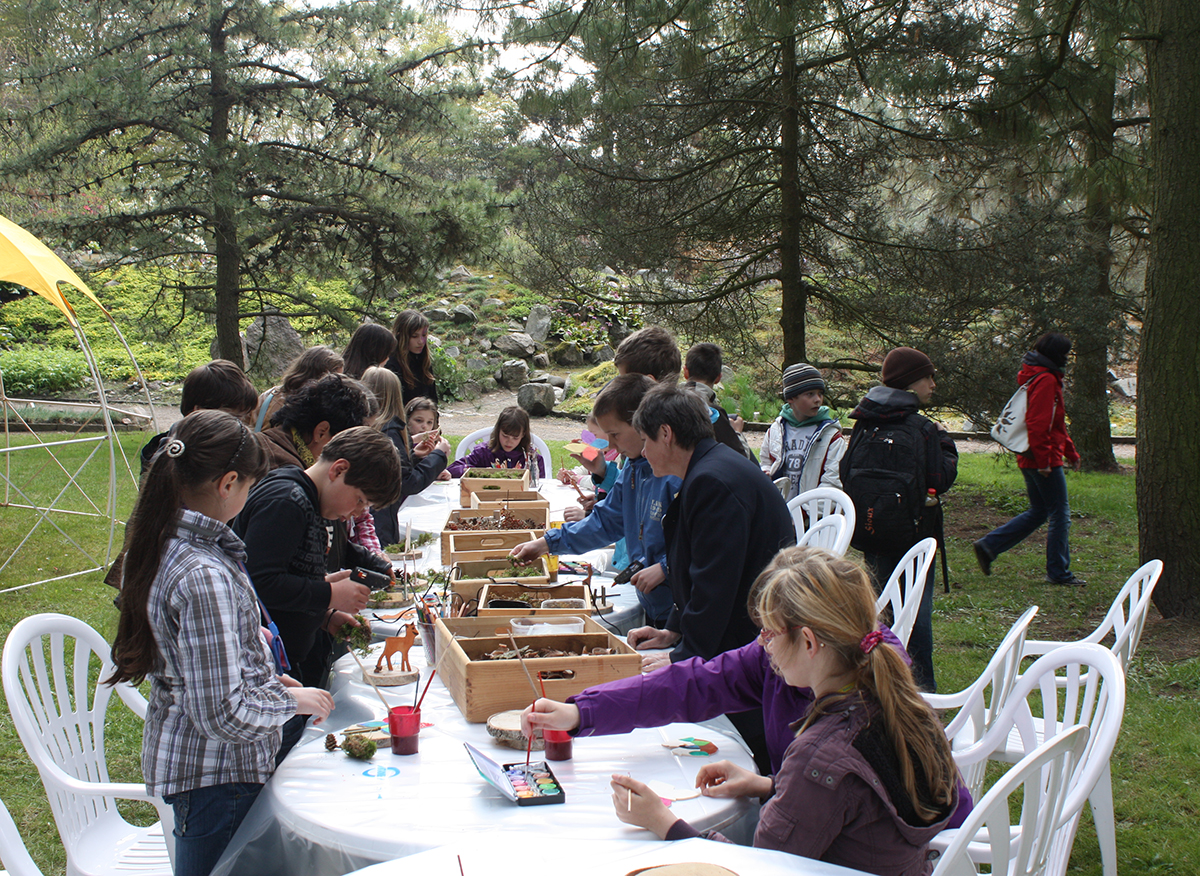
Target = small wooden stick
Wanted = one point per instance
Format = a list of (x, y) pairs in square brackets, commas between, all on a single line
[(371, 681), (532, 686)]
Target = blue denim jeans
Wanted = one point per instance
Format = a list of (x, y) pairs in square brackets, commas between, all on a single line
[(205, 821), (920, 643), (1047, 501)]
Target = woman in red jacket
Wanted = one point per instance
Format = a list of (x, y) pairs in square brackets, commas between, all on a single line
[(1042, 466)]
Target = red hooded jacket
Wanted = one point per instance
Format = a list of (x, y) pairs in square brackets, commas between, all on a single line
[(1045, 420)]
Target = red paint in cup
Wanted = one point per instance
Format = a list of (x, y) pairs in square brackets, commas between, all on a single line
[(404, 725), (558, 744)]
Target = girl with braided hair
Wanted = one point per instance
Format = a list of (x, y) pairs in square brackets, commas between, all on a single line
[(868, 780)]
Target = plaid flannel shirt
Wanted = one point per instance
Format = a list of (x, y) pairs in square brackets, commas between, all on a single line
[(216, 708)]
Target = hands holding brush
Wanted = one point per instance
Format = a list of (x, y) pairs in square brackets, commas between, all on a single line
[(547, 714), (638, 805)]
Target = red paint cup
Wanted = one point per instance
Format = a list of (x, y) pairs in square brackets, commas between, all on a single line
[(558, 744), (404, 724)]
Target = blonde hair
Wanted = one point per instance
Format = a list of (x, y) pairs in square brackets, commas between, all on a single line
[(388, 393), (833, 597)]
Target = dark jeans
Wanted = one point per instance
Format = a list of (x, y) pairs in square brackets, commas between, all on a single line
[(293, 729), (920, 643), (1047, 501), (205, 821)]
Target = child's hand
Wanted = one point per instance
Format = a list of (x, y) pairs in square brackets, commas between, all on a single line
[(346, 595), (596, 466), (526, 552), (312, 701), (547, 714), (636, 804), (649, 578), (726, 779), (568, 477), (444, 476), (573, 514)]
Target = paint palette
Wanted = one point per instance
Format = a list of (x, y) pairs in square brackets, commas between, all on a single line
[(533, 785)]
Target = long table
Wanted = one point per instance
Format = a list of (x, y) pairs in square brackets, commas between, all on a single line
[(324, 814)]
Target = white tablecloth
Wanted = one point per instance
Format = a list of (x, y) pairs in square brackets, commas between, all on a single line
[(324, 814), (610, 859)]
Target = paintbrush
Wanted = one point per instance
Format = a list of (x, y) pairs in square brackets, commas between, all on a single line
[(529, 746), (386, 708), (422, 699)]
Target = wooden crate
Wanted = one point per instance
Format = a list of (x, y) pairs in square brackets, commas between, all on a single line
[(468, 577), (481, 688), (535, 510), (512, 479), (512, 591), (493, 541)]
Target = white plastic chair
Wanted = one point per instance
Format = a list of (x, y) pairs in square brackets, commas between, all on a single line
[(53, 666), (784, 485), (828, 533), (905, 587), (1124, 622), (812, 505), (479, 436), (980, 703), (1078, 684), (988, 835), (12, 848)]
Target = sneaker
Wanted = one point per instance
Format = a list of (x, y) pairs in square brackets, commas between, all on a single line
[(985, 561), (1073, 581)]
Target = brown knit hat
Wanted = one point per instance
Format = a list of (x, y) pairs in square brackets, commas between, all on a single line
[(904, 366)]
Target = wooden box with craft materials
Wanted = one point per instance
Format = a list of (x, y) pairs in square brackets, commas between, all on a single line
[(503, 481), (468, 577), (481, 688), (492, 591), (536, 510), (494, 543)]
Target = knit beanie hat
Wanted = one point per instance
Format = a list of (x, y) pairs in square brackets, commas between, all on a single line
[(904, 366), (800, 378)]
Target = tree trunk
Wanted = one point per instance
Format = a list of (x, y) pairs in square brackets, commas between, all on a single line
[(225, 232), (793, 292), (1091, 428), (1168, 440)]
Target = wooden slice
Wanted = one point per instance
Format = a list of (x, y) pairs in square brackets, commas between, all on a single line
[(388, 678), (505, 728), (690, 868)]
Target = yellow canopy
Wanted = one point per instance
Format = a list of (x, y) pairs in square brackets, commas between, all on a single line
[(28, 262)]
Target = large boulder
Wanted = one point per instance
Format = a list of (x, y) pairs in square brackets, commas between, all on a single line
[(516, 344), (541, 360), (514, 373), (271, 345), (567, 353), (537, 324), (602, 353), (437, 314), (463, 314), (459, 274), (536, 398)]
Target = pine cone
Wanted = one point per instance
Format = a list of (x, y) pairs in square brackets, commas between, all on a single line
[(331, 743)]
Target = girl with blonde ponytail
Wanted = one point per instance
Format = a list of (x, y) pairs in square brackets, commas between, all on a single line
[(869, 780)]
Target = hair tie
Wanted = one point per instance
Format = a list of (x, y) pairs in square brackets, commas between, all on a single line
[(870, 640), (174, 448)]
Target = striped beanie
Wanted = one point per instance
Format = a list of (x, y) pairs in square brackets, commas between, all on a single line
[(800, 378)]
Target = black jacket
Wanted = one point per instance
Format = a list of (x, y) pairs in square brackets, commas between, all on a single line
[(727, 522), (413, 390), (415, 476)]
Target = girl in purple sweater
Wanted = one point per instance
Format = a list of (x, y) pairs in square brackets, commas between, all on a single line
[(508, 447)]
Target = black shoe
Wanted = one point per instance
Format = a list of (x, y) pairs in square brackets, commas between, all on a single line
[(985, 562), (1073, 581)]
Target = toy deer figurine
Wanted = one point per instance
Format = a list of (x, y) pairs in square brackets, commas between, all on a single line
[(401, 644)]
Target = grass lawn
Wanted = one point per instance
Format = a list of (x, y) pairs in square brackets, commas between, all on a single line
[(1156, 768)]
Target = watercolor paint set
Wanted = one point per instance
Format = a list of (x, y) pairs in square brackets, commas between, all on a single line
[(533, 785)]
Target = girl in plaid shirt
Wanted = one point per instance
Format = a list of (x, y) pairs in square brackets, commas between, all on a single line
[(191, 623)]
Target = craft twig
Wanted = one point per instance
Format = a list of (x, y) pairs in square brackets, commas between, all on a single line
[(521, 658), (371, 681)]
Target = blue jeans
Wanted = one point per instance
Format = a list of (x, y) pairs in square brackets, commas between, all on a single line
[(920, 642), (1047, 500), (205, 821)]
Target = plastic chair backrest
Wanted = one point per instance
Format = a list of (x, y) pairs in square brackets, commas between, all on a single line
[(981, 703), (1043, 777), (480, 436), (17, 861), (1080, 683), (828, 533), (812, 505), (784, 485), (905, 587), (53, 667)]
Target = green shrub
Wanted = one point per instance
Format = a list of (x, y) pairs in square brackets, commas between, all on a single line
[(38, 371)]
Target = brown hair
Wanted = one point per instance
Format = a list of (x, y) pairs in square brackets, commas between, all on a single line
[(833, 597), (407, 324), (622, 396), (513, 420), (651, 351), (668, 404), (201, 448), (420, 403), (312, 364), (218, 385), (704, 362), (374, 463), (341, 401), (369, 345)]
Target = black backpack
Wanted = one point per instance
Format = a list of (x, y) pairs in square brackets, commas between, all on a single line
[(883, 473)]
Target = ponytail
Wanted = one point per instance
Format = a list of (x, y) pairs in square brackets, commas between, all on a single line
[(201, 448)]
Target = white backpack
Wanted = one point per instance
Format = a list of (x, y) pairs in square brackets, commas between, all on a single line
[(1010, 430)]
